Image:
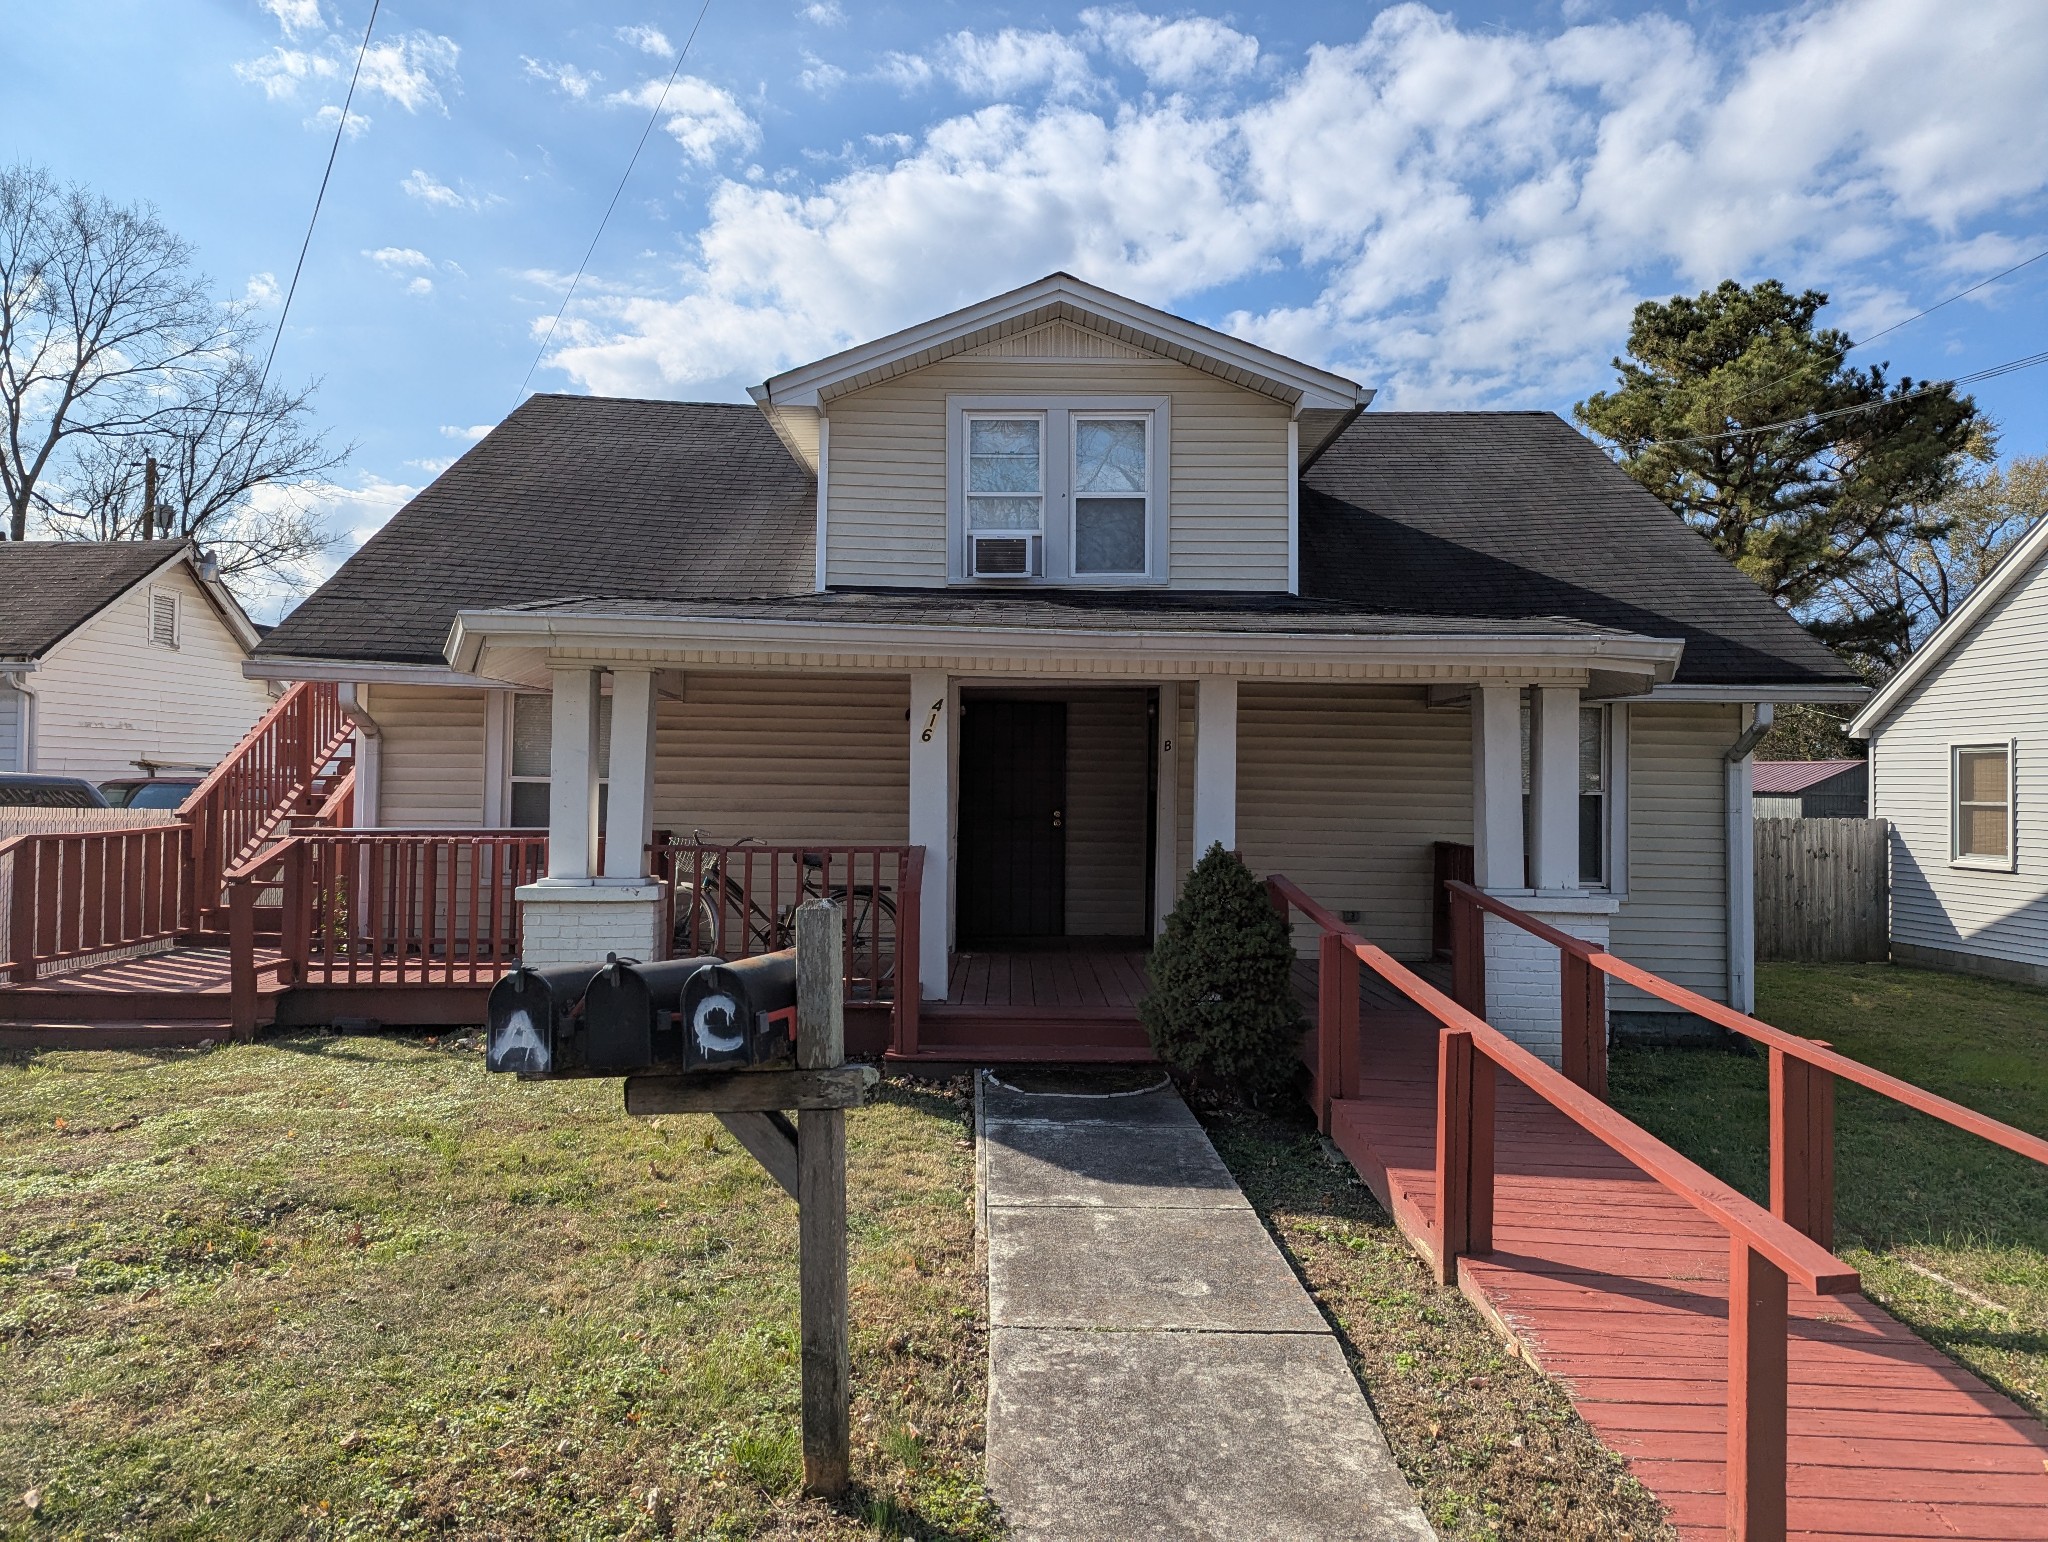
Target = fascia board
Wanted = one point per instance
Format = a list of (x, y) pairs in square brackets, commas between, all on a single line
[(571, 634), (358, 672), (1832, 695), (801, 387), (2004, 578)]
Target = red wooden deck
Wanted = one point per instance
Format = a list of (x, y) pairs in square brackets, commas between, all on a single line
[(1055, 1004), (1606, 1280)]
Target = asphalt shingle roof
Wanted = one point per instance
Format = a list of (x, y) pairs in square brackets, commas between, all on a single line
[(1411, 522), (48, 589)]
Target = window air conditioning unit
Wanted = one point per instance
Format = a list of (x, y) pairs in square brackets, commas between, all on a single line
[(1005, 556)]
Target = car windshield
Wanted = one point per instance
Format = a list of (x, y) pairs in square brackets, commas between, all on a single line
[(157, 795)]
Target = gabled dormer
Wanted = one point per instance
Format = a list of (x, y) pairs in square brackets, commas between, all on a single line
[(1058, 434)]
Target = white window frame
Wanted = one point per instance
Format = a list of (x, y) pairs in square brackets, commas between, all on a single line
[(1056, 565), (510, 779), (1957, 857), (1038, 420), (1074, 480), (177, 618)]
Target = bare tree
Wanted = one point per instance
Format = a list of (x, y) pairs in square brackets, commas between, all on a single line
[(112, 351)]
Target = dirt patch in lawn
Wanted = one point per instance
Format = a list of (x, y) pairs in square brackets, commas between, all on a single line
[(356, 1287), (1492, 1447)]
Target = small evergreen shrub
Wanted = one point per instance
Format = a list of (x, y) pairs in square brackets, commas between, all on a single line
[(1222, 1010)]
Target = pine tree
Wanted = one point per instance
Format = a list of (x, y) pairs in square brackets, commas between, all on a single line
[(1222, 1007)]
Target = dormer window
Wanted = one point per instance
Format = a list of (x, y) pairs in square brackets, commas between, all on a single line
[(1058, 491)]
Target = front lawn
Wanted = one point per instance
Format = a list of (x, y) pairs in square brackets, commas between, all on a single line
[(355, 1287), (1951, 1233)]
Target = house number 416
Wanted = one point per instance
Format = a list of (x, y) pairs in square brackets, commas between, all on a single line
[(931, 723)]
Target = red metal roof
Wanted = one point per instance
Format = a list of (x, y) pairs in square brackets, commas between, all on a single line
[(1797, 775)]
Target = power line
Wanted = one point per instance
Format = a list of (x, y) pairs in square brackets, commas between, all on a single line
[(632, 161), (320, 197)]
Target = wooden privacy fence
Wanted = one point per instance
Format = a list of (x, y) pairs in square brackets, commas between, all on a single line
[(1823, 890), (84, 893), (1764, 1250)]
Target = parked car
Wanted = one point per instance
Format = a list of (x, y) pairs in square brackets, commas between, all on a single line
[(165, 792), (27, 789)]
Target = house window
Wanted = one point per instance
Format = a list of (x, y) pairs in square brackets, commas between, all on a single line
[(1005, 495), (533, 734), (163, 618), (1112, 495), (1981, 802)]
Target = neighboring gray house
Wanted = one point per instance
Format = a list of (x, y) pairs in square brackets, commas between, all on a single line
[(1811, 789), (1954, 740)]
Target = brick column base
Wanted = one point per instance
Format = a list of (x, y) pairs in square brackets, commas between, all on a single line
[(581, 923), (1521, 970)]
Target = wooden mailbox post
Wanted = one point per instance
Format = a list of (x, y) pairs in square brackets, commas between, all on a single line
[(809, 1160)]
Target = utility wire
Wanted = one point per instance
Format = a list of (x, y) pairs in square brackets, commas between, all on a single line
[(631, 161), (340, 127)]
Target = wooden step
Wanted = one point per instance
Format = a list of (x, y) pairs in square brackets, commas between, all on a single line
[(116, 1035)]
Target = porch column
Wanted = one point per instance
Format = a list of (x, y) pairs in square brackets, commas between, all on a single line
[(1554, 787), (934, 716), (572, 774), (1497, 786), (1166, 873), (1215, 764), (629, 810)]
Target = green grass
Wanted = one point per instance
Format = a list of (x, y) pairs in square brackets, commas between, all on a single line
[(355, 1287), (1950, 1232)]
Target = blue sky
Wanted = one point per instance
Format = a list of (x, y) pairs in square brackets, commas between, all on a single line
[(1457, 204)]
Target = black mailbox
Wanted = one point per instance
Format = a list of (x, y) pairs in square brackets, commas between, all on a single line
[(630, 1016), (534, 1017), (741, 1014)]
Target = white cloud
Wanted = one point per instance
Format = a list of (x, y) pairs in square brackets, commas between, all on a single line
[(408, 69), (704, 119), (472, 433), (296, 16), (420, 286), (1474, 211), (283, 70), (823, 13), (1176, 54), (649, 40), (433, 465), (819, 75), (328, 116), (262, 291), (565, 78), (396, 258)]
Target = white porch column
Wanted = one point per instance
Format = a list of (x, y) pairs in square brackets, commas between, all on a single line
[(1166, 831), (1497, 786), (1215, 764), (572, 773), (1554, 787), (934, 761), (629, 809)]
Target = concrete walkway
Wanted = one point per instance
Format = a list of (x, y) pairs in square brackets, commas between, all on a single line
[(1156, 1370)]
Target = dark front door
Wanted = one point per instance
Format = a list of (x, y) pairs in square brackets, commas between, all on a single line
[(1013, 844)]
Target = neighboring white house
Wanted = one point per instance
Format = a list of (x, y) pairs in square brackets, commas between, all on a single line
[(1062, 589), (1957, 744), (118, 658)]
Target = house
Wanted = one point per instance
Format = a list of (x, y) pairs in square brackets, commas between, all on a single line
[(1950, 738), (1057, 591), (119, 657), (1811, 789)]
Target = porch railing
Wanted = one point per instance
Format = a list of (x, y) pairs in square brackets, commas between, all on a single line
[(735, 900), (383, 908), (1764, 1249), (77, 894)]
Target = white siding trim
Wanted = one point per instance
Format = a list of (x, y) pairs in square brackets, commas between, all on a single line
[(1293, 505), (1166, 869), (824, 482)]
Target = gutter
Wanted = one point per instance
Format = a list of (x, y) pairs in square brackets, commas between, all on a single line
[(369, 752), (15, 672), (1740, 841)]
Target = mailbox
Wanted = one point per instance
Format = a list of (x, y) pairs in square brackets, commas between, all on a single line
[(631, 1016), (741, 1014), (534, 1019)]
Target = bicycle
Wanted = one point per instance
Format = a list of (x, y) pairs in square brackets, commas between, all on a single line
[(714, 897)]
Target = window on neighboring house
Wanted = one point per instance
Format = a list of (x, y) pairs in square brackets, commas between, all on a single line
[(1593, 774), (533, 732), (1112, 495), (1005, 495), (1981, 783), (163, 618)]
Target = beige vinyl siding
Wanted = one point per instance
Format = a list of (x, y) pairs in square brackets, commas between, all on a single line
[(1108, 750), (107, 697), (11, 714), (1988, 690), (1345, 789), (1675, 919), (786, 758), (886, 483), (431, 765)]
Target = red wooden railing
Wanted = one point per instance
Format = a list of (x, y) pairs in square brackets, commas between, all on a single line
[(273, 774), (1582, 988), (75, 894), (1764, 1250), (383, 908), (733, 901), (1802, 1076)]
